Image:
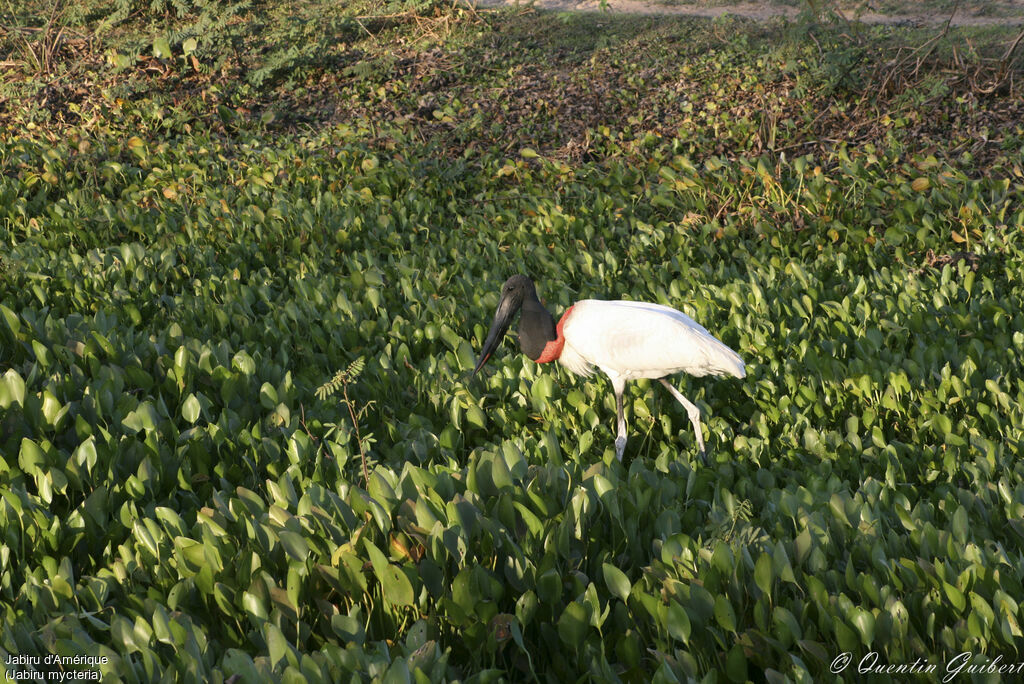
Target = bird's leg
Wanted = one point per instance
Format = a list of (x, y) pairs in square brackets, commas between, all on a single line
[(694, 414), (620, 442)]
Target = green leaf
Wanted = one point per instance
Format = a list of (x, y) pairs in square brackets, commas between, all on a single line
[(549, 586), (541, 391), (12, 389), (268, 396), (845, 636), (616, 581), (397, 588), (239, 663), (294, 545), (785, 626), (865, 624), (574, 624), (11, 319), (724, 614), (763, 575), (960, 525), (51, 408), (349, 627), (942, 424), (955, 596), (142, 418), (145, 537), (464, 591), (190, 409), (678, 622), (162, 626), (254, 605), (476, 417), (243, 363), (526, 607), (277, 645), (161, 48), (31, 458), (736, 664), (85, 453)]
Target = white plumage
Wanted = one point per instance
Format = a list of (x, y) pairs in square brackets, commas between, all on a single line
[(636, 340)]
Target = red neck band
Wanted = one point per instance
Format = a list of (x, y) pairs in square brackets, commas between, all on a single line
[(553, 349)]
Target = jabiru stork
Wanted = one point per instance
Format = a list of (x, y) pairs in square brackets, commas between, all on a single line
[(627, 340)]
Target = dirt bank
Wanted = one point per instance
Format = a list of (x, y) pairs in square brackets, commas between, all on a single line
[(922, 14)]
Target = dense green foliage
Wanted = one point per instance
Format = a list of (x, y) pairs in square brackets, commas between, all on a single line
[(177, 495)]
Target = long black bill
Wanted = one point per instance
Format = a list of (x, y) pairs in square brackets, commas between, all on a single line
[(507, 309)]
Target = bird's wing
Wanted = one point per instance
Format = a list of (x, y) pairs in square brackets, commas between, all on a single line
[(643, 340)]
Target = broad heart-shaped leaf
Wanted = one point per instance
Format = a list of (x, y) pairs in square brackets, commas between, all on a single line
[(190, 408), (349, 628), (12, 389), (416, 636), (736, 664), (864, 621), (763, 573), (268, 396), (243, 362), (238, 662), (616, 581), (30, 457), (678, 622), (541, 391), (845, 636), (956, 597), (142, 418), (464, 591), (573, 624), (781, 565), (724, 613), (145, 537), (162, 626), (396, 586), (11, 319), (377, 557), (526, 607), (161, 48), (785, 626), (960, 525), (549, 586), (277, 645), (294, 545), (51, 408)]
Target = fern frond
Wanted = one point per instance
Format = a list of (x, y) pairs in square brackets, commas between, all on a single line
[(331, 386), (341, 378), (354, 369)]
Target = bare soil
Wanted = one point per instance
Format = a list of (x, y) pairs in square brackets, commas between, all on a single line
[(1008, 12)]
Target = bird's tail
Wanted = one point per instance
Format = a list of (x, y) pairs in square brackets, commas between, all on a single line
[(728, 362), (738, 368)]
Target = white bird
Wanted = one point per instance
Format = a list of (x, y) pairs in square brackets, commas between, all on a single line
[(627, 340)]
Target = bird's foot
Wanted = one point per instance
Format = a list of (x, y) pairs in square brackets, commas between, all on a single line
[(620, 447), (704, 457)]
